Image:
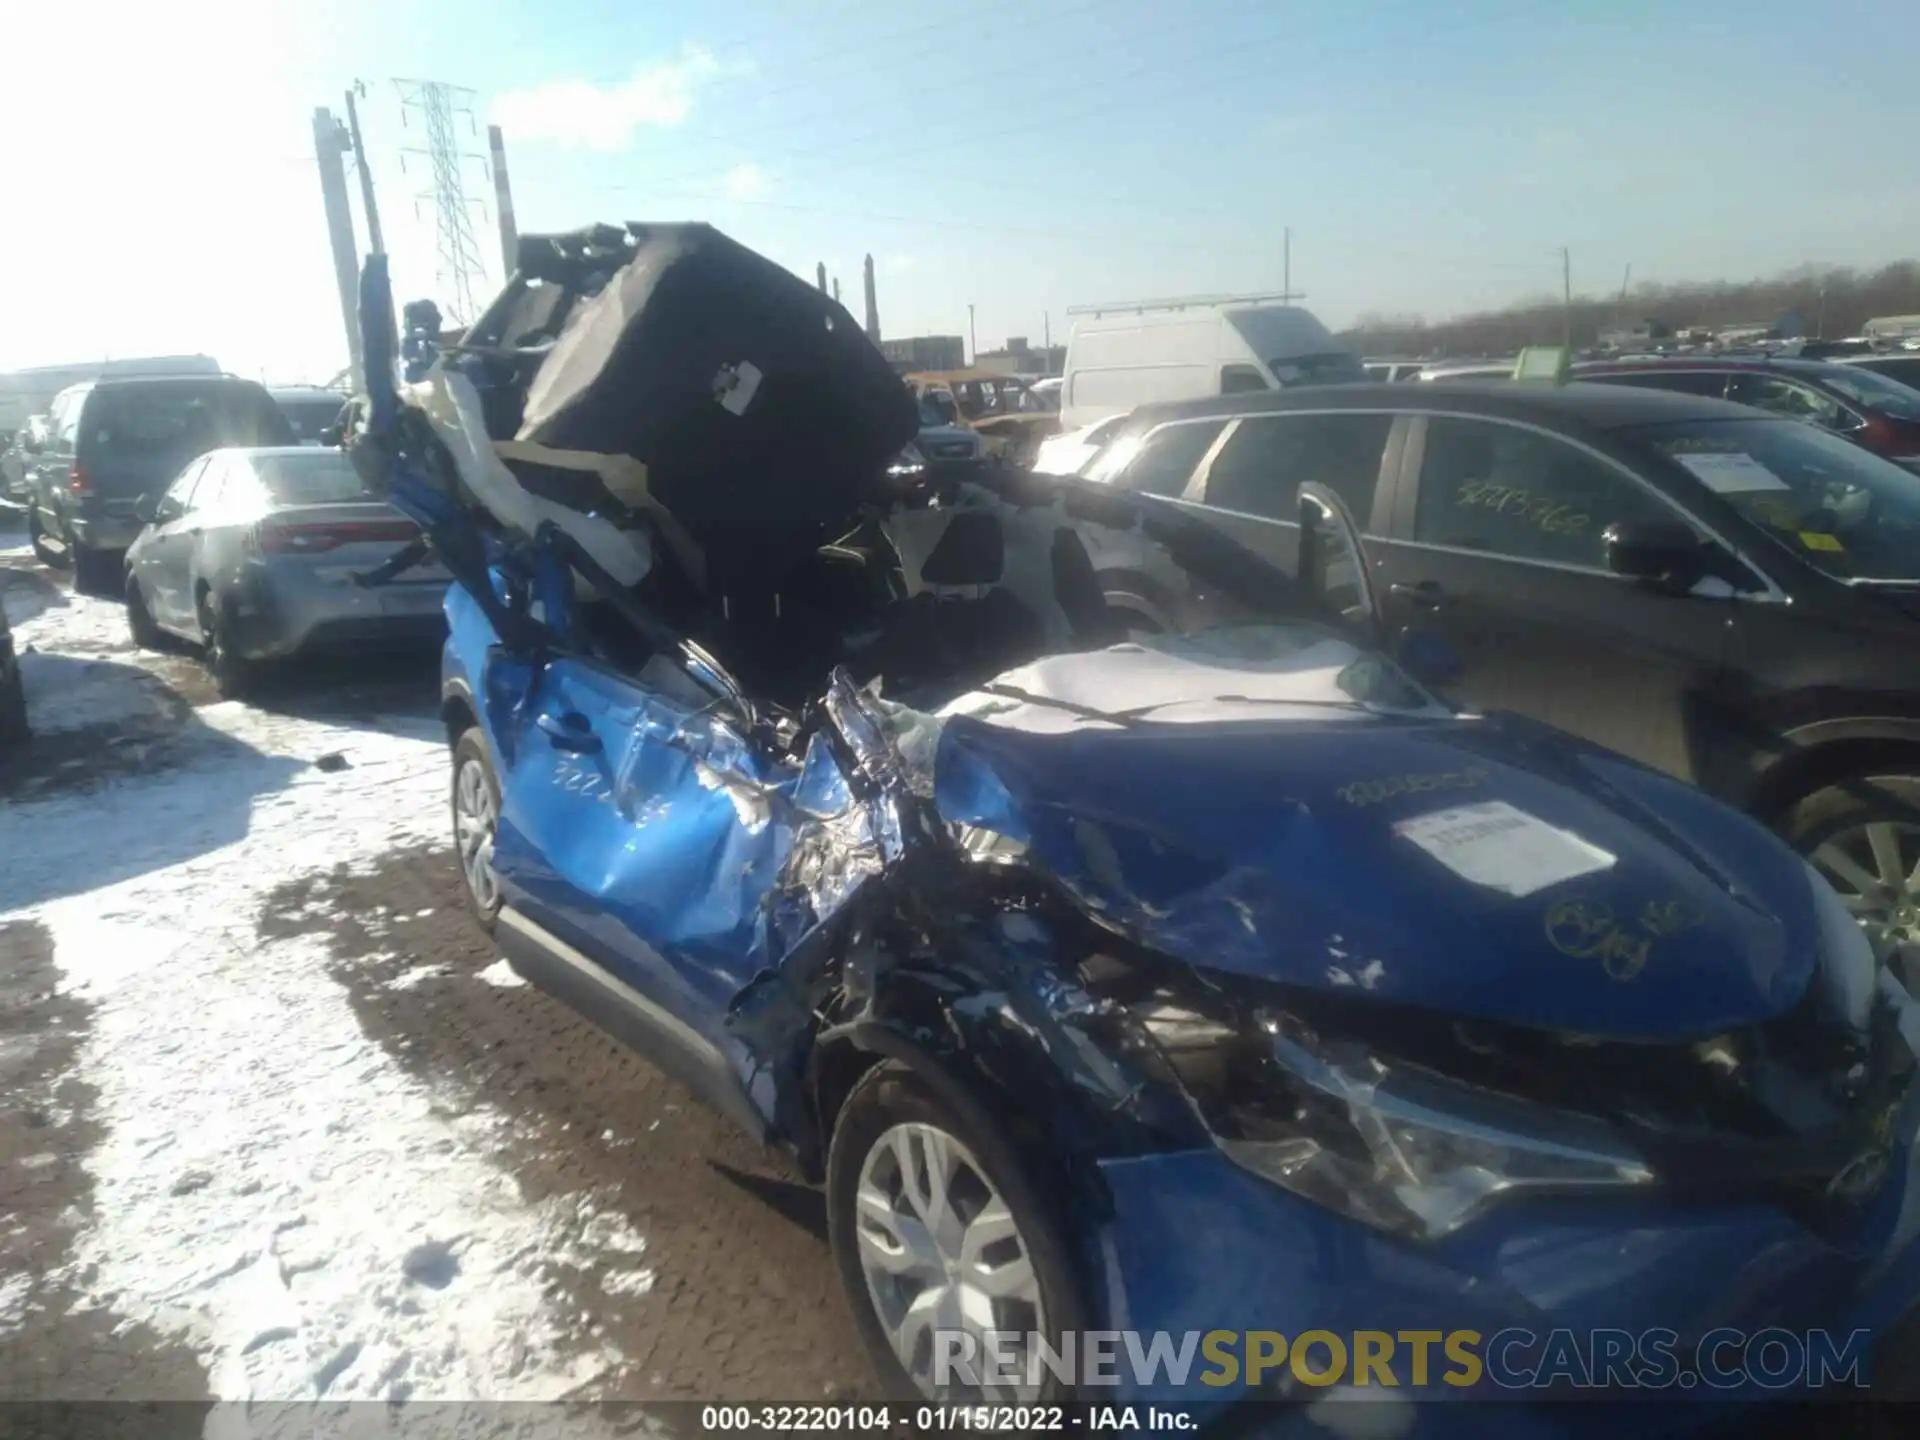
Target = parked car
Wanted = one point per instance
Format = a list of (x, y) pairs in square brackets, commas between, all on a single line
[(1394, 371), (996, 407), (113, 442), (1904, 368), (19, 456), (1222, 980), (1153, 352), (1872, 411), (1468, 370), (13, 693), (1720, 593), (310, 410), (1072, 451), (257, 555)]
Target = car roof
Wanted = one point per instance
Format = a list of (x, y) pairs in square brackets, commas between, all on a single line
[(1788, 364), (157, 382), (305, 392), (269, 452), (1595, 407)]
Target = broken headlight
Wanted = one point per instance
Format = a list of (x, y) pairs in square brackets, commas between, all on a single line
[(1404, 1148)]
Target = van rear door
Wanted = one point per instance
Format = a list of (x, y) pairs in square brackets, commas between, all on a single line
[(134, 438)]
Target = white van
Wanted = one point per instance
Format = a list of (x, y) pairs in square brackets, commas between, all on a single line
[(1145, 352)]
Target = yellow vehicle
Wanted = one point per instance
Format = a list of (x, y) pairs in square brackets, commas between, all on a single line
[(1010, 418)]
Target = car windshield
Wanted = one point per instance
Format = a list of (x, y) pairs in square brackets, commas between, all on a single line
[(1876, 392), (1332, 368), (1847, 511), (931, 414), (325, 477), (310, 417), (181, 420)]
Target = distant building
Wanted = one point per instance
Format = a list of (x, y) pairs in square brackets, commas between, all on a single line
[(925, 352), (1020, 358), (1637, 336), (1889, 328)]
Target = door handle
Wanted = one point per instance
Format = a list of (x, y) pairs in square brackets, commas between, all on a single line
[(570, 731), (1427, 595)]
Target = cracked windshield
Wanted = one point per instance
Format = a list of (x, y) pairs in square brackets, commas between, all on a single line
[(872, 717)]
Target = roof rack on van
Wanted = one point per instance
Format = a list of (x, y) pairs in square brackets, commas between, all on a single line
[(1189, 302)]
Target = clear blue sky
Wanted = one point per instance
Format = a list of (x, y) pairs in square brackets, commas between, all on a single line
[(1429, 158)]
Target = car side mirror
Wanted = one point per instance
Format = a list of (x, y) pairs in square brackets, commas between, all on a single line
[(146, 509), (1664, 553), (1330, 547)]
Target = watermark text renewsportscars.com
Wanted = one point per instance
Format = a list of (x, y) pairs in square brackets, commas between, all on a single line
[(1512, 1359)]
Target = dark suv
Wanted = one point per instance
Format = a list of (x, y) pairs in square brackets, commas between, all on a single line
[(1874, 412), (110, 443), (1726, 595)]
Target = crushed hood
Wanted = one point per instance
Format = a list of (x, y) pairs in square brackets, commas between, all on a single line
[(762, 414), (1472, 865)]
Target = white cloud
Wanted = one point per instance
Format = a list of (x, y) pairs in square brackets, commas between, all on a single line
[(603, 117), (745, 182)]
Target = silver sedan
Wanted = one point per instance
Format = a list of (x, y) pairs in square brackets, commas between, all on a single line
[(257, 555)]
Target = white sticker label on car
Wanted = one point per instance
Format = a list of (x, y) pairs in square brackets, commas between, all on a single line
[(1503, 847), (735, 386), (1732, 472)]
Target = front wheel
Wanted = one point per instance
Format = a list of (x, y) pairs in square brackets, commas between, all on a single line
[(942, 1240), (476, 820), (146, 635), (54, 558), (1863, 835)]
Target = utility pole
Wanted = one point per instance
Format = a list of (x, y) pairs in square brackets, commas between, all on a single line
[(1625, 280), (873, 303), (820, 274), (1566, 292), (503, 203), (365, 167), (1286, 264), (330, 141), (1820, 317), (973, 345)]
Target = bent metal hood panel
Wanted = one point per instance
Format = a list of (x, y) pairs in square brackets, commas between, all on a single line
[(1278, 828)]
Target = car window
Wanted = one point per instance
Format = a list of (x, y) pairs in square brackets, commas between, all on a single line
[(1165, 460), (1875, 392), (1784, 397), (66, 420), (213, 484), (1260, 470), (1512, 491), (1902, 371), (1240, 380), (1834, 504), (183, 420), (1686, 382), (320, 477), (179, 496)]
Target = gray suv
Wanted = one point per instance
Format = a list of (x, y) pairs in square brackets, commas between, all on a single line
[(111, 443)]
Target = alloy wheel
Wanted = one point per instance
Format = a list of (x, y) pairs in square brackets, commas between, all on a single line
[(474, 821), (942, 1252), (1875, 867)]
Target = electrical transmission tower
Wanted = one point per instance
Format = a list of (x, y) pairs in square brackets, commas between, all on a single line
[(440, 108)]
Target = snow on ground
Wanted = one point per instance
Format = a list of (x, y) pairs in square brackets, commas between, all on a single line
[(271, 1186)]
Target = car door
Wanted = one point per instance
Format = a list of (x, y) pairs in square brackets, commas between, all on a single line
[(165, 552), (639, 826), (1496, 548)]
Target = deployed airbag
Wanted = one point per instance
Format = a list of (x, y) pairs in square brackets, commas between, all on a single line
[(763, 414)]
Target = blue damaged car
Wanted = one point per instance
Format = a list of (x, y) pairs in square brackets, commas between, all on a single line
[(1205, 976)]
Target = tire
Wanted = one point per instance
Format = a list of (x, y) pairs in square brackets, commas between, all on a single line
[(476, 819), (44, 553), (892, 1103), (1863, 834), (13, 708), (97, 572), (146, 634), (233, 674)]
